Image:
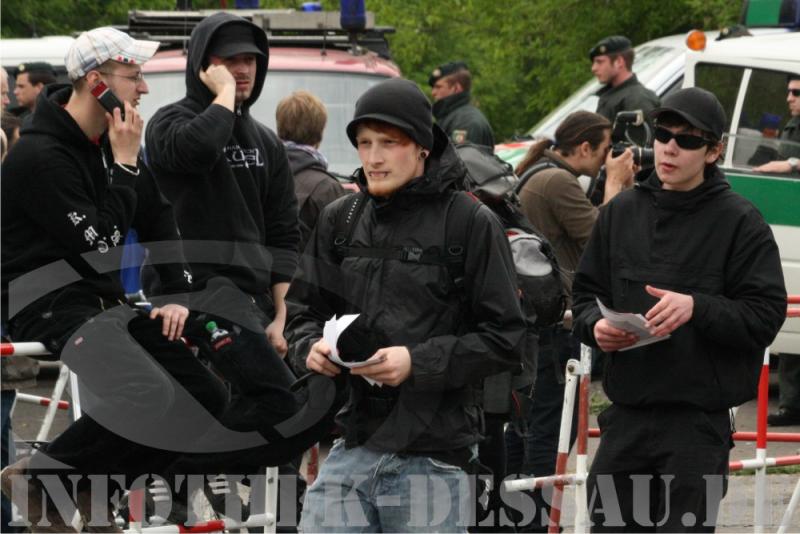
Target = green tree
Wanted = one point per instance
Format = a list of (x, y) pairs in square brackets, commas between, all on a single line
[(526, 55)]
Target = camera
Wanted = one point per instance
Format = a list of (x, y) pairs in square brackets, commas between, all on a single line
[(631, 131)]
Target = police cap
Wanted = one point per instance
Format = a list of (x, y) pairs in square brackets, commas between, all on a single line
[(610, 45), (446, 70), (36, 66)]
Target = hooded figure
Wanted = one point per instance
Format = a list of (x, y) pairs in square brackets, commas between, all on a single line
[(227, 174)]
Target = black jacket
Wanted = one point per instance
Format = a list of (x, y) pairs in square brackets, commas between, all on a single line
[(66, 205), (227, 176), (455, 340), (462, 121), (630, 95), (315, 188), (710, 243)]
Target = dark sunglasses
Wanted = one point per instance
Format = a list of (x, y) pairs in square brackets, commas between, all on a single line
[(794, 92), (687, 141)]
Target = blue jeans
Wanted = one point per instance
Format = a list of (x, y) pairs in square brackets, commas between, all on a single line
[(359, 490)]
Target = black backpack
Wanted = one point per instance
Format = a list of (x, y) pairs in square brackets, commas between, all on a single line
[(493, 181), (459, 216)]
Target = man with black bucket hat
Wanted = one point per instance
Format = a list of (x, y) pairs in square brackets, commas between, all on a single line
[(434, 321), (702, 266), (451, 89)]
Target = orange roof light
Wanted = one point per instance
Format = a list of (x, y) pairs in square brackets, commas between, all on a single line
[(696, 40)]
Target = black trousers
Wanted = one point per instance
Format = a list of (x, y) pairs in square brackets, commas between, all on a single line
[(144, 398), (659, 469)]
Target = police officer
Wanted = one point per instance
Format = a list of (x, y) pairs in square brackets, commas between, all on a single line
[(612, 63), (31, 79), (451, 86)]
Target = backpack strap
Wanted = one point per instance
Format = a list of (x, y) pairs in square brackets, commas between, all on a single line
[(461, 208), (528, 174), (345, 223), (458, 227)]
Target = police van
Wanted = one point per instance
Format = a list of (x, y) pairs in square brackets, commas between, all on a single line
[(749, 74), (309, 50)]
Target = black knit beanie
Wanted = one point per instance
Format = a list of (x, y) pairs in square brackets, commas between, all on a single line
[(398, 102)]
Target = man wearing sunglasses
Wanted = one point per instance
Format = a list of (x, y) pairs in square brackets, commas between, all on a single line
[(788, 367), (791, 153), (701, 265)]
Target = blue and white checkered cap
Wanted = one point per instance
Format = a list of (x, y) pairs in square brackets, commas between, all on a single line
[(93, 48)]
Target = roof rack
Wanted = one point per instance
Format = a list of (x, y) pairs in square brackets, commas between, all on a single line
[(284, 27)]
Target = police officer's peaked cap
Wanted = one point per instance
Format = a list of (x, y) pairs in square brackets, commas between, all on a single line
[(446, 70), (397, 102), (36, 66), (610, 45), (698, 107)]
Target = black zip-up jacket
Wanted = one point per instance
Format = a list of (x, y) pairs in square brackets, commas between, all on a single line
[(710, 243), (455, 339), (65, 205), (227, 176)]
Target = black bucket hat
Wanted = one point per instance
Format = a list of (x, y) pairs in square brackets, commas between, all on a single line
[(397, 102)]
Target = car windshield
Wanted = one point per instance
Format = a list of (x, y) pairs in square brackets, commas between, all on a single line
[(649, 63), (339, 92)]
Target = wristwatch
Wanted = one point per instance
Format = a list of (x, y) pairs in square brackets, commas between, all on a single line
[(794, 164)]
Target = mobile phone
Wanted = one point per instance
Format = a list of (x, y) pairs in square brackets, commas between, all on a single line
[(108, 99)]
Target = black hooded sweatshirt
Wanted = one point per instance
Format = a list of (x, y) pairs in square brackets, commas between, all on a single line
[(227, 176), (710, 243), (66, 209), (455, 339)]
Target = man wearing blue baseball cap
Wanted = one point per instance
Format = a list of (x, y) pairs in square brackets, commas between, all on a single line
[(701, 265)]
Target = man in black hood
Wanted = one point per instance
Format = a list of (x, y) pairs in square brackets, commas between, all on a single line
[(702, 266), (430, 334), (226, 173), (230, 181)]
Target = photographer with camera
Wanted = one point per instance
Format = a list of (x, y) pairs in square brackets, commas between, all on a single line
[(554, 198)]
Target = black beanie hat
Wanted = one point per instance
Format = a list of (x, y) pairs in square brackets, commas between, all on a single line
[(398, 102)]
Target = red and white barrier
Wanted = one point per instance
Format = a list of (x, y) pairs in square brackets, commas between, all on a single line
[(29, 348), (42, 401)]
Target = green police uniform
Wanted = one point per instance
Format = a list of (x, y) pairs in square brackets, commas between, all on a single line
[(630, 95), (791, 132), (462, 121)]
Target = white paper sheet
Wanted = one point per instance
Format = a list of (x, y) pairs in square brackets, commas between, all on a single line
[(630, 322), (330, 333)]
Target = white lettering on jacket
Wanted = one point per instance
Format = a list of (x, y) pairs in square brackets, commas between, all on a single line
[(239, 157)]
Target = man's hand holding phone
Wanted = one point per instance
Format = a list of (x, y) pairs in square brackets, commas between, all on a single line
[(221, 83), (125, 134)]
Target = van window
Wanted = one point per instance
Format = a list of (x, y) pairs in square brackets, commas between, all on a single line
[(338, 91), (756, 139), (723, 81)]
